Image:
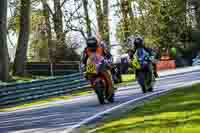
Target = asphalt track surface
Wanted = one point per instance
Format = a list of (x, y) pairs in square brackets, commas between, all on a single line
[(64, 115)]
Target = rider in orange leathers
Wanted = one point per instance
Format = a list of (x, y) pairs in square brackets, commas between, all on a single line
[(95, 46)]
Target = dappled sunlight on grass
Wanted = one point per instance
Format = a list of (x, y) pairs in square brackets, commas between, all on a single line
[(128, 77), (177, 112), (17, 79)]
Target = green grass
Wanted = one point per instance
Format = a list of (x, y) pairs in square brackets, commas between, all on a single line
[(128, 77), (17, 79), (27, 78), (176, 112)]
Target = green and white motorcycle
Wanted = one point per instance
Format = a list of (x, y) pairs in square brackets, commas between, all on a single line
[(143, 66)]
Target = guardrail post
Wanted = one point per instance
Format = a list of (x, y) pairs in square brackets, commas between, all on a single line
[(51, 69)]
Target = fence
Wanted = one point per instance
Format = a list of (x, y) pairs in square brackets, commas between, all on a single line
[(17, 93), (47, 69)]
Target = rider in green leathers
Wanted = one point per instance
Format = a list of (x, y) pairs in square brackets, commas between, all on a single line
[(143, 63)]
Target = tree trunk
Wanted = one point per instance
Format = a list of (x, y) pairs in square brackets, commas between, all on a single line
[(106, 35), (58, 22), (125, 13), (21, 53), (99, 14), (47, 16), (87, 18), (4, 57), (60, 35), (197, 14), (132, 18)]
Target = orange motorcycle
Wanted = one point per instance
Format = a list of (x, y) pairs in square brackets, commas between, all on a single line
[(95, 73)]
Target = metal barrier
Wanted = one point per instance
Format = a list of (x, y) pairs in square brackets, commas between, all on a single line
[(17, 93), (55, 69)]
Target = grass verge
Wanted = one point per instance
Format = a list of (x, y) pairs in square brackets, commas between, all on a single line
[(176, 112), (128, 77), (18, 79)]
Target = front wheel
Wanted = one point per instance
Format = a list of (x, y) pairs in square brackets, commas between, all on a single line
[(141, 80), (144, 90), (150, 89), (100, 93)]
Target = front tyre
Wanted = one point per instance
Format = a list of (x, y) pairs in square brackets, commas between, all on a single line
[(144, 90), (99, 92), (141, 81), (150, 89)]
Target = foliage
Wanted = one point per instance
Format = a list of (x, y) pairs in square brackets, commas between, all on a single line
[(163, 23)]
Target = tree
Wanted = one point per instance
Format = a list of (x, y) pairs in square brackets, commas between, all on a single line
[(4, 57), (46, 14), (106, 28), (102, 13), (57, 49), (58, 21), (163, 23), (99, 15), (23, 39), (76, 19), (87, 18), (196, 4), (125, 13)]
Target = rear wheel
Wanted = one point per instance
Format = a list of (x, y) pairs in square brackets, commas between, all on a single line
[(100, 93), (141, 81)]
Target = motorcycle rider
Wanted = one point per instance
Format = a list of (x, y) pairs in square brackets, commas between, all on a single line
[(145, 58), (109, 60), (106, 53), (93, 46), (138, 41)]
